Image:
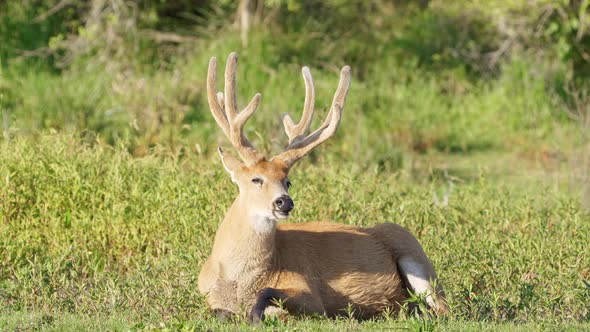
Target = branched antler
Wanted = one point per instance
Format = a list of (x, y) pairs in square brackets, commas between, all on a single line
[(225, 110), (299, 144), (296, 132)]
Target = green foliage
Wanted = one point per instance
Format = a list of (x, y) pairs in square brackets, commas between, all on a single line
[(88, 229), (396, 105), (569, 28), (416, 85), (24, 29)]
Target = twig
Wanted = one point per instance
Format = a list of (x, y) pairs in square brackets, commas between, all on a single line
[(495, 56), (38, 52), (60, 5), (170, 37)]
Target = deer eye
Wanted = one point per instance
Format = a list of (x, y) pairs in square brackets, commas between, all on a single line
[(288, 184), (257, 181)]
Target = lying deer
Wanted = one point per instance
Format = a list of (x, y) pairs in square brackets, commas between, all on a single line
[(306, 268)]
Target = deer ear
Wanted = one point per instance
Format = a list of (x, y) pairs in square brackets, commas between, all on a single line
[(231, 164)]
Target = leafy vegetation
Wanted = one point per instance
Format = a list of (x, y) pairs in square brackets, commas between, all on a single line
[(94, 231), (467, 123)]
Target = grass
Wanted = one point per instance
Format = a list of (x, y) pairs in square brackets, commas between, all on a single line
[(111, 190), (92, 235), (69, 322), (392, 104)]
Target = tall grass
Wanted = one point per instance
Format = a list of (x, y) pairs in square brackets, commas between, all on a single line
[(395, 105), (90, 230)]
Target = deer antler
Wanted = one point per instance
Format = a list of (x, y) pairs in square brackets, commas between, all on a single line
[(225, 110), (296, 132), (299, 144)]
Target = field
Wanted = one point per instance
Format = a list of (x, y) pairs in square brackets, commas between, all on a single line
[(111, 190)]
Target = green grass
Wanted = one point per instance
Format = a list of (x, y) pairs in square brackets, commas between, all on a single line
[(70, 322), (91, 235), (392, 106), (111, 190)]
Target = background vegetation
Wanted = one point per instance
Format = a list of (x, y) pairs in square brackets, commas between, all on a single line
[(468, 123)]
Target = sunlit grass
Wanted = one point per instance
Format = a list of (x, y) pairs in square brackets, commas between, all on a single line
[(89, 231)]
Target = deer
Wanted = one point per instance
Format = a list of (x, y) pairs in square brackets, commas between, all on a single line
[(259, 267)]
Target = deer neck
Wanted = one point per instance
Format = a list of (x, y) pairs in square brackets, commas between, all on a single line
[(245, 242)]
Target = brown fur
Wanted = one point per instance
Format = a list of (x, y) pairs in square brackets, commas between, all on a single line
[(323, 268)]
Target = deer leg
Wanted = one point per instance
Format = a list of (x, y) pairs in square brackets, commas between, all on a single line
[(294, 301), (221, 297)]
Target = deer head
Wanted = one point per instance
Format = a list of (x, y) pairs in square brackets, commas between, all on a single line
[(263, 183)]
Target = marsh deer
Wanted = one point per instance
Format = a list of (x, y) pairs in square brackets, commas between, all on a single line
[(306, 268)]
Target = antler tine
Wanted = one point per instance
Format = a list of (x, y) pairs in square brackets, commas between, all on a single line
[(301, 147), (220, 100), (216, 108), (230, 85), (298, 131), (225, 111)]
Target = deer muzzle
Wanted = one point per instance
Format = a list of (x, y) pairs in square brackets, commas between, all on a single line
[(284, 204)]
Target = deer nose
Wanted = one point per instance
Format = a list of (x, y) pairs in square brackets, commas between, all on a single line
[(284, 204)]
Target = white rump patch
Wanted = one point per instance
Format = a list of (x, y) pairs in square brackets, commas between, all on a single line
[(418, 278)]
